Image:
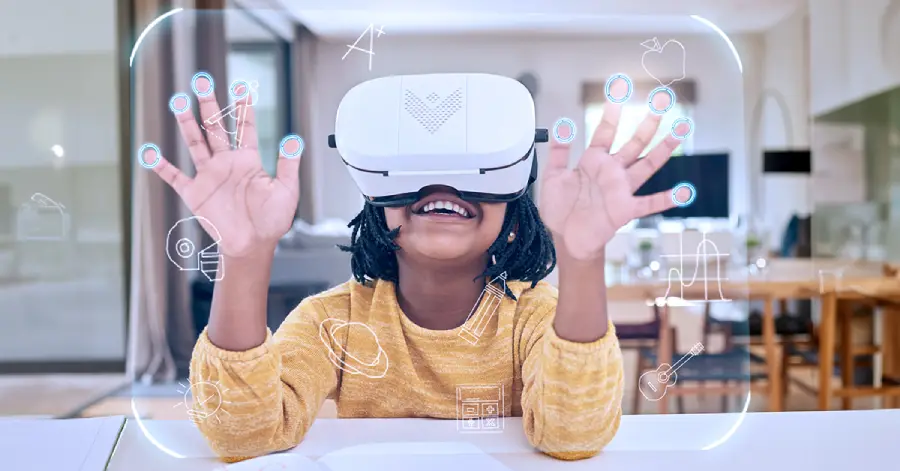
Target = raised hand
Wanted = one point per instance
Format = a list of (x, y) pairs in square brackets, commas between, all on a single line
[(583, 207), (250, 209)]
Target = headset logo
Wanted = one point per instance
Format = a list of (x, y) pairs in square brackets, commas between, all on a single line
[(432, 112)]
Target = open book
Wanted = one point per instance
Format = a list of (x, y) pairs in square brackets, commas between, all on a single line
[(396, 456)]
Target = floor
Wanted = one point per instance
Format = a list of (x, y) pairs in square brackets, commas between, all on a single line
[(53, 395)]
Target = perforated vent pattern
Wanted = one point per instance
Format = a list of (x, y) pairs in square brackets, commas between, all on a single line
[(432, 113)]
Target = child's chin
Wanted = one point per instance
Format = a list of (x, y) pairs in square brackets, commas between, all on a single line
[(446, 248)]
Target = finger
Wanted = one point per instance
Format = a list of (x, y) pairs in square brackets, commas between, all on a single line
[(180, 104), (618, 89), (290, 150), (644, 168), (654, 204), (151, 158), (246, 136), (605, 133), (632, 150), (212, 119), (559, 154)]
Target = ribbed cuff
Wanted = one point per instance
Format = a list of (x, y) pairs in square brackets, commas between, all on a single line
[(206, 348), (608, 340)]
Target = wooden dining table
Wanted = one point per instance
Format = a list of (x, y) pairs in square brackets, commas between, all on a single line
[(829, 280)]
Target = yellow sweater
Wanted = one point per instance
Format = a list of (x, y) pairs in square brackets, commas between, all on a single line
[(569, 394)]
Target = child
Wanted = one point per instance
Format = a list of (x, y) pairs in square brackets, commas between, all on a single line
[(389, 343)]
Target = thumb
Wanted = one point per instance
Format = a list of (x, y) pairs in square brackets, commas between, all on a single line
[(290, 150)]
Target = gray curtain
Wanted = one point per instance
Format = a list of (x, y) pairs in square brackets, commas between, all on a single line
[(303, 86), (150, 357), (162, 333)]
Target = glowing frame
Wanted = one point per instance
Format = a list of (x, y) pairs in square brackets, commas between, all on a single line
[(698, 18)]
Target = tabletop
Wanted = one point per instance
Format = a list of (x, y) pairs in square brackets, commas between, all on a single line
[(823, 441), (778, 279)]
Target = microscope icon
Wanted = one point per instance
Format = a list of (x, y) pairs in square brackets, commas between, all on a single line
[(183, 253)]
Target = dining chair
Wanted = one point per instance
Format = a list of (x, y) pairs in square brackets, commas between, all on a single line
[(729, 368), (645, 339)]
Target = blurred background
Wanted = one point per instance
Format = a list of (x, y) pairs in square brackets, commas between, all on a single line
[(795, 154)]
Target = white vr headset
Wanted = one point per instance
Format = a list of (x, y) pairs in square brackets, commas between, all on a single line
[(474, 133)]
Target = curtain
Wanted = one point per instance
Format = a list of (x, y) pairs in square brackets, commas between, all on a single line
[(303, 86), (149, 356), (161, 332)]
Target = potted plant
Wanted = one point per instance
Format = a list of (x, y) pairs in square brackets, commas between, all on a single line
[(754, 248), (645, 248)]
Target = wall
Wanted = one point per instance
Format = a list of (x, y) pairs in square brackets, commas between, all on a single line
[(562, 65), (781, 121), (855, 50)]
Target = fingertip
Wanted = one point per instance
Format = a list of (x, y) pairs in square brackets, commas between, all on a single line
[(683, 194), (179, 103), (291, 146), (203, 84), (149, 156)]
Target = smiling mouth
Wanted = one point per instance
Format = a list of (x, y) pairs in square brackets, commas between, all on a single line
[(444, 208)]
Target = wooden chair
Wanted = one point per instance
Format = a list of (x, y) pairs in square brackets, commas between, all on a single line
[(644, 338), (795, 332), (732, 368), (854, 360)]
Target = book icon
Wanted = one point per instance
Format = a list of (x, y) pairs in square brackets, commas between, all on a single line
[(42, 219)]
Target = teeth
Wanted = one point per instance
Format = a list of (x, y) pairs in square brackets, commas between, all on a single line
[(445, 205)]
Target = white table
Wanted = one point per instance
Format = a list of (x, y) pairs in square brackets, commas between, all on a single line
[(820, 441)]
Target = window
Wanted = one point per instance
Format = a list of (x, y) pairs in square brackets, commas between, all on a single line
[(258, 54), (632, 115)]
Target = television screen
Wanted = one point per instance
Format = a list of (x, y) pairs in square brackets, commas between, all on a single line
[(709, 175)]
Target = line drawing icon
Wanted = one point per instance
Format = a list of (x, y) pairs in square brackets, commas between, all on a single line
[(183, 252), (347, 361), (654, 384), (370, 30), (484, 309), (203, 399), (648, 62), (480, 408), (216, 124), (701, 257), (42, 219)]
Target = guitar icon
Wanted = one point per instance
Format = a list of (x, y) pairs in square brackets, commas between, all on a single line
[(654, 383)]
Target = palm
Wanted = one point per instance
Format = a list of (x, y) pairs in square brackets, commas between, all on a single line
[(590, 202), (584, 207), (247, 207)]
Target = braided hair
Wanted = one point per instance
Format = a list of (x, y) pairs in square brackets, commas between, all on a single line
[(530, 256)]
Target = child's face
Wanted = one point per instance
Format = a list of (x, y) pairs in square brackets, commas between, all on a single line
[(442, 226)]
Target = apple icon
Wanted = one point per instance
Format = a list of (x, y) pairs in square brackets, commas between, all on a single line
[(666, 59)]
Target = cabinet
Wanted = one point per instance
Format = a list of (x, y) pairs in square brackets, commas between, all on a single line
[(854, 50)]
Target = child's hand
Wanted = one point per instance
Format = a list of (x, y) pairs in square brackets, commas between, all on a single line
[(250, 209), (585, 206)]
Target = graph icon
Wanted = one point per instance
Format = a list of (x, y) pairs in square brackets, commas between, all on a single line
[(680, 265), (371, 31)]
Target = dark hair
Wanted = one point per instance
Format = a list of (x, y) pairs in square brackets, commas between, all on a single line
[(529, 257)]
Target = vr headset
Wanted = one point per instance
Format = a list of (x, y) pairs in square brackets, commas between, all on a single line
[(474, 133)]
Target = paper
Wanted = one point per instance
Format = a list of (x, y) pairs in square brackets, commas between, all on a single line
[(395, 456), (59, 445)]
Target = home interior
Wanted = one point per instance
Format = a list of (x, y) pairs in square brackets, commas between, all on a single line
[(795, 154)]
